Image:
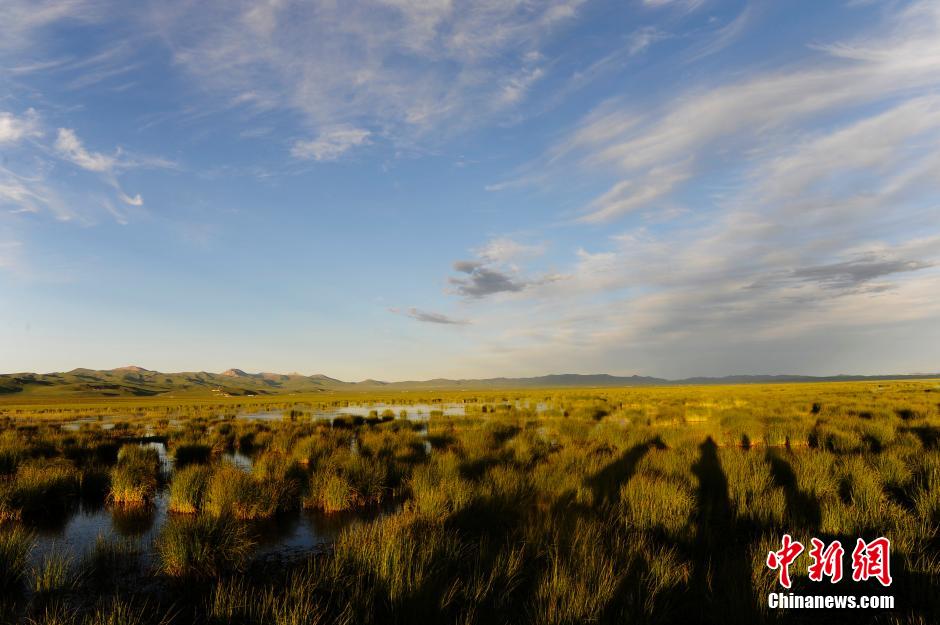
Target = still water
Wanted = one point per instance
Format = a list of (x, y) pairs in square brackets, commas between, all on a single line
[(415, 412), (288, 535)]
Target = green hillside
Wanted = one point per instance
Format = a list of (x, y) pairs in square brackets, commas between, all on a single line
[(139, 382)]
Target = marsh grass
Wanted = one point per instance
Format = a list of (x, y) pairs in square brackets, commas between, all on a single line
[(330, 492), (649, 505), (580, 579), (134, 479), (55, 573), (231, 491), (120, 612), (188, 489), (111, 612), (237, 600), (12, 452), (15, 545), (309, 450), (438, 489), (38, 488), (278, 472), (111, 559), (191, 453), (347, 481), (203, 546), (402, 554)]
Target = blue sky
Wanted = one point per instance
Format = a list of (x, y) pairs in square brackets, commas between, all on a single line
[(405, 189)]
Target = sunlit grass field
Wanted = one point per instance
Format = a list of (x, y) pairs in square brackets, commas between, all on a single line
[(647, 505)]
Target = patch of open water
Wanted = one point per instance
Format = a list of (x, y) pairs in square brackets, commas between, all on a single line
[(285, 536), (414, 412)]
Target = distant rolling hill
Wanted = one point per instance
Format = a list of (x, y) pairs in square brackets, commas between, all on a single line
[(139, 382)]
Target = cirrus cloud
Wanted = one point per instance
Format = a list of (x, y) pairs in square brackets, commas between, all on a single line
[(331, 144), (426, 316), (14, 129), (407, 71)]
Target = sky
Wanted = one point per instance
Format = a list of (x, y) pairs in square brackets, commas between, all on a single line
[(408, 189)]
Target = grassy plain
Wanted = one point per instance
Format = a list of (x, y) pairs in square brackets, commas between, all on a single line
[(646, 505)]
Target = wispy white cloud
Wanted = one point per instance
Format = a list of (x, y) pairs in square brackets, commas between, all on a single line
[(506, 250), (22, 19), (883, 144), (99, 75), (14, 129), (747, 116), (70, 148), (516, 87), (331, 144), (633, 194), (651, 299), (19, 196), (397, 69), (119, 215), (642, 38), (827, 172), (31, 194), (131, 201), (37, 190), (726, 35), (685, 5)]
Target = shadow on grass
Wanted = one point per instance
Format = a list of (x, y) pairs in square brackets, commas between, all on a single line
[(929, 436), (720, 586), (606, 483), (803, 509)]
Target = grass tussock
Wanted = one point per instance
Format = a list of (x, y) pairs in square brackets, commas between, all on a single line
[(38, 488), (203, 546), (55, 573), (15, 545), (231, 491), (188, 489), (191, 453), (134, 479)]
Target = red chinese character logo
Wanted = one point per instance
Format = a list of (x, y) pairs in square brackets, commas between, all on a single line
[(784, 558), (872, 560), (826, 561)]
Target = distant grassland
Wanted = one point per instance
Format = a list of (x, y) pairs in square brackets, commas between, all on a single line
[(661, 403), (607, 505), (136, 382)]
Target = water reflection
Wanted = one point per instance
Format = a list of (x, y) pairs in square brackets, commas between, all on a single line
[(302, 531), (287, 535), (78, 532), (166, 462), (137, 521), (239, 459), (77, 424), (413, 412), (77, 528)]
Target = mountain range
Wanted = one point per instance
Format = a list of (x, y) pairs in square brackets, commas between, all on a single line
[(136, 381)]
